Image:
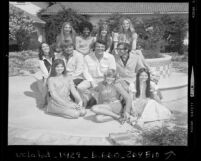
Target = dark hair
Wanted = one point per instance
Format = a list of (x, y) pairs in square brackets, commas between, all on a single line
[(54, 65), (148, 93), (66, 44), (41, 53), (84, 25), (125, 45), (107, 38)]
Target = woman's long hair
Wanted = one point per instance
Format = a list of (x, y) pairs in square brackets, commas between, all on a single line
[(54, 65), (107, 38), (41, 53), (131, 29), (72, 32), (148, 93)]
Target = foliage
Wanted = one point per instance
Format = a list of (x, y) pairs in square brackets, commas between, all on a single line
[(20, 27), (159, 33), (165, 136), (54, 22)]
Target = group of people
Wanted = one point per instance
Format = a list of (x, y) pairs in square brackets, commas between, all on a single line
[(104, 73)]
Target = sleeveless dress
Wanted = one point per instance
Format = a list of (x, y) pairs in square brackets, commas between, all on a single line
[(62, 88), (148, 109)]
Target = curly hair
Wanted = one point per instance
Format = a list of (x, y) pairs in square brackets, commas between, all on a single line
[(84, 25)]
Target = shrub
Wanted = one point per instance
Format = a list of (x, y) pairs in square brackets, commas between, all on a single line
[(54, 22), (20, 27)]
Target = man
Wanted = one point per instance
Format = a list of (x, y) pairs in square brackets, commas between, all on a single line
[(97, 63), (127, 63), (74, 62)]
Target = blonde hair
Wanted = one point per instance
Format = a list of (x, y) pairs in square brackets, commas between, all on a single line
[(72, 32), (131, 28)]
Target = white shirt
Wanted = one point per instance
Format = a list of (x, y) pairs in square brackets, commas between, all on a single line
[(95, 69)]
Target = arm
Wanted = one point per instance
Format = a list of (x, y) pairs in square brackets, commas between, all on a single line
[(79, 66), (75, 92), (154, 89), (126, 97), (87, 75), (54, 94), (112, 64), (134, 42), (43, 69)]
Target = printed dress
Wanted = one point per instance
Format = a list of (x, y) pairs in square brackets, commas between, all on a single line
[(62, 89)]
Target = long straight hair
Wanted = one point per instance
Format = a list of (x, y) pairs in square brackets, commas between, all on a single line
[(131, 29), (72, 32), (107, 38), (148, 93), (54, 65)]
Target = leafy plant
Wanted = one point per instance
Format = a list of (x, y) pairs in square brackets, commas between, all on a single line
[(20, 27), (54, 22)]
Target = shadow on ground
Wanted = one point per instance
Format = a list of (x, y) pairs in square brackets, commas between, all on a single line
[(35, 93)]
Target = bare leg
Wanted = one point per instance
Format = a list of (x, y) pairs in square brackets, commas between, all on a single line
[(104, 110), (103, 118)]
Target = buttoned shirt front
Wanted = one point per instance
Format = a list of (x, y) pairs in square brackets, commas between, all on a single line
[(74, 65), (128, 71), (95, 69)]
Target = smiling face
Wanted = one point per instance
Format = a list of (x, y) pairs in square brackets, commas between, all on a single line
[(126, 24), (99, 48), (67, 28), (122, 51), (143, 77), (59, 69), (109, 80), (45, 49), (86, 32), (68, 50), (104, 32)]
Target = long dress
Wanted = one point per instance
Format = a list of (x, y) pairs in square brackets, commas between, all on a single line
[(148, 109), (62, 89)]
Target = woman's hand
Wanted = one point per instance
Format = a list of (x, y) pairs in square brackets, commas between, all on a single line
[(80, 103)]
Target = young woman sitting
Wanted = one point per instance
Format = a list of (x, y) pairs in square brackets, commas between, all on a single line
[(60, 85)]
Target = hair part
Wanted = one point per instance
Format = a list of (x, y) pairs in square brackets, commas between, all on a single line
[(147, 92), (54, 65)]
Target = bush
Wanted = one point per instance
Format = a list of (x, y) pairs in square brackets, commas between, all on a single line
[(159, 33), (54, 22), (20, 27)]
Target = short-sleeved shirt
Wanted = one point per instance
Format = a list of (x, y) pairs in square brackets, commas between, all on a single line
[(84, 45), (96, 68)]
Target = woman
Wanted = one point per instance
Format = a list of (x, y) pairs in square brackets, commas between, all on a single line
[(46, 57), (146, 106), (60, 85), (126, 34), (109, 106), (67, 34), (85, 41), (104, 34)]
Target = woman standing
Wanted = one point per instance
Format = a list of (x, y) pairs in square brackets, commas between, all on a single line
[(85, 41), (109, 106), (46, 57), (67, 34), (60, 86), (104, 35), (146, 106)]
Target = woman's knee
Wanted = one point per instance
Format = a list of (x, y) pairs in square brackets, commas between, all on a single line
[(99, 118), (95, 108)]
